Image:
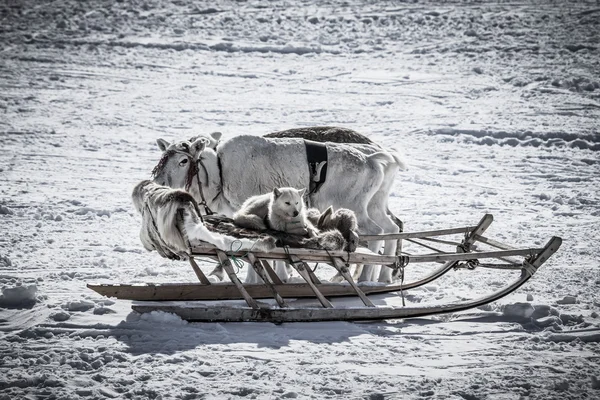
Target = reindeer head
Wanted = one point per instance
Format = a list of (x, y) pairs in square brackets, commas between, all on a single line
[(177, 166)]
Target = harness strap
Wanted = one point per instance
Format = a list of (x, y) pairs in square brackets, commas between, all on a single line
[(316, 155), (207, 209)]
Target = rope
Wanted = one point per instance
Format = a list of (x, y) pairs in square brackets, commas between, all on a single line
[(400, 264), (237, 260), (207, 209), (286, 250)]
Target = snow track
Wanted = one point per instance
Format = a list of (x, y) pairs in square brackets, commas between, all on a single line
[(495, 106)]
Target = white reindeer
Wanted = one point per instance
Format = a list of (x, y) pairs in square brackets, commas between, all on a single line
[(320, 134), (359, 178)]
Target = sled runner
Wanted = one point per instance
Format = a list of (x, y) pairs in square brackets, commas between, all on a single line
[(471, 251)]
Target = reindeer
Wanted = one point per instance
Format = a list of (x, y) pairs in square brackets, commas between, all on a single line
[(359, 178)]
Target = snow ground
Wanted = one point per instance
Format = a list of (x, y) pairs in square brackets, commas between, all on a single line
[(495, 106)]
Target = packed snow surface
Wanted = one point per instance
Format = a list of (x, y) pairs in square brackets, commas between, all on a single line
[(494, 105)]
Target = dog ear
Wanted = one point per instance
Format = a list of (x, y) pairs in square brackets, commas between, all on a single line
[(276, 192), (162, 144), (325, 218), (216, 135), (301, 192), (198, 146)]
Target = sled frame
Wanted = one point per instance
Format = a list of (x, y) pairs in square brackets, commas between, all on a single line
[(152, 297)]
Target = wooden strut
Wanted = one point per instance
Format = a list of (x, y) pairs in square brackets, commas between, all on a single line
[(201, 277), (261, 272), (274, 277), (343, 270), (235, 280), (303, 269)]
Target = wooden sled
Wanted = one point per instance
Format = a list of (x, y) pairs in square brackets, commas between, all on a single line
[(468, 253)]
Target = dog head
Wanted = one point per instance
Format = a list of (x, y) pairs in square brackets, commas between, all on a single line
[(288, 201)]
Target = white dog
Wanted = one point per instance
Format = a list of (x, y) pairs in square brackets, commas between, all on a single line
[(281, 210)]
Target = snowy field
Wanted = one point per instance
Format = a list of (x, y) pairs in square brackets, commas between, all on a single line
[(495, 106)]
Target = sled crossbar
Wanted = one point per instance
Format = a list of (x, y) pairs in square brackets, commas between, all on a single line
[(461, 256), (365, 257)]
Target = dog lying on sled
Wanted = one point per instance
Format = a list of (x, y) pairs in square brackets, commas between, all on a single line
[(171, 223)]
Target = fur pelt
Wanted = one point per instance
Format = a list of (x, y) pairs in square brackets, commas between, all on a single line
[(171, 223), (330, 240), (323, 134), (342, 220)]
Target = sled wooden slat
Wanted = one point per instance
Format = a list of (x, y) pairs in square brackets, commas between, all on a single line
[(343, 270), (274, 277), (312, 275), (227, 291), (309, 255), (234, 279), (435, 240), (201, 277), (421, 234), (424, 245), (302, 268), (493, 243), (261, 272)]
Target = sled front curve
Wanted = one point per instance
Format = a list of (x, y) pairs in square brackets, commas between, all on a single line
[(466, 255)]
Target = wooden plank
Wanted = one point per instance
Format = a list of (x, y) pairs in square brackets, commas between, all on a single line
[(261, 272), (435, 240), (301, 267), (309, 255), (234, 279), (312, 275), (424, 245), (343, 270), (201, 277), (416, 235), (274, 277), (493, 243), (226, 291)]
